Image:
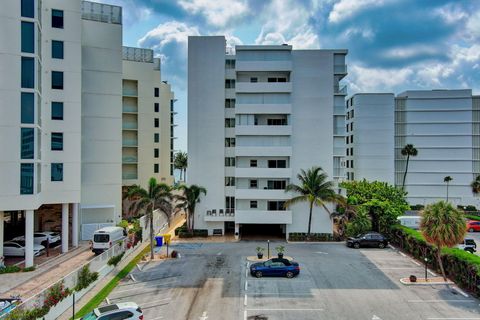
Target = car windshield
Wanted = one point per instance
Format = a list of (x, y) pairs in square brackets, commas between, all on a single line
[(89, 316), (101, 238), (469, 241)]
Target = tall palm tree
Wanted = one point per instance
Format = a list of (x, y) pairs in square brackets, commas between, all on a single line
[(181, 162), (188, 201), (447, 179), (409, 151), (157, 196), (443, 226), (475, 185), (315, 189)]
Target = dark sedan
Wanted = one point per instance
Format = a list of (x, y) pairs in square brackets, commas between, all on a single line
[(275, 268), (369, 239)]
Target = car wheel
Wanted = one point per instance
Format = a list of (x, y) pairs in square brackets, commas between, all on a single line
[(356, 245), (289, 274), (258, 274), (471, 230), (381, 245)]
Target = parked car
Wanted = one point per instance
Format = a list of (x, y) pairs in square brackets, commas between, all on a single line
[(103, 239), (17, 248), (118, 311), (468, 245), (276, 267), (53, 238), (473, 226), (369, 239)]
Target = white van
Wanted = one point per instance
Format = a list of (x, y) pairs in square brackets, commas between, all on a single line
[(105, 238)]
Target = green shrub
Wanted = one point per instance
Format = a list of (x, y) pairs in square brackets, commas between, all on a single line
[(472, 217), (470, 208), (194, 233), (31, 314), (359, 224), (55, 294), (28, 269), (300, 236), (123, 224), (182, 228), (85, 278), (113, 261), (10, 269)]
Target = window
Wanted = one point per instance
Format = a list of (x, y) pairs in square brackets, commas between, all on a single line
[(229, 142), (156, 107), (156, 92), (57, 110), (277, 163), (254, 79), (229, 103), (155, 168), (230, 202), (351, 164), (156, 152), (57, 49), (28, 37), (230, 123), (348, 151), (272, 79), (253, 204), (352, 113), (27, 144), (26, 178), (230, 64), (27, 107), (229, 181), (56, 172), (156, 137), (229, 84), (254, 184), (276, 122), (28, 8), (28, 72), (351, 126), (57, 141), (253, 163), (282, 79), (156, 122), (351, 138), (57, 18), (351, 151), (276, 184), (276, 205), (230, 162), (57, 80)]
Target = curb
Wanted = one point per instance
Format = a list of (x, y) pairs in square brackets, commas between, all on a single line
[(406, 281)]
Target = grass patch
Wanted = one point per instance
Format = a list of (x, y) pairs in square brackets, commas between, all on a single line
[(100, 296), (472, 217)]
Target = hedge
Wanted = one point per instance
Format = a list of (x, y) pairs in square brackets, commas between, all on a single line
[(460, 266), (300, 236), (194, 233), (472, 216), (182, 228)]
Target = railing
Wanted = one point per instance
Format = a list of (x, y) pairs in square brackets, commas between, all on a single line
[(340, 89), (130, 92), (130, 125), (221, 212), (339, 151), (340, 68), (129, 159), (130, 142), (339, 110), (129, 108), (156, 63), (101, 12), (129, 176), (137, 54), (339, 131)]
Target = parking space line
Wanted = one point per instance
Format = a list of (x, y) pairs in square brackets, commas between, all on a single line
[(415, 262), (454, 318), (437, 301), (126, 290), (246, 285), (285, 309), (460, 291), (245, 300)]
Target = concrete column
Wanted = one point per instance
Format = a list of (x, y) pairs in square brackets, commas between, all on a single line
[(64, 227), (75, 225), (1, 234), (29, 238), (237, 231)]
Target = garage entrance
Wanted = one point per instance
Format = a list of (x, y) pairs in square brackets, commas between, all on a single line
[(262, 231)]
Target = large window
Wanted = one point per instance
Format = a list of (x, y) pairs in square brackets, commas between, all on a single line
[(253, 163), (229, 103), (57, 141), (230, 84), (230, 202), (57, 110), (276, 205), (28, 8), (56, 172), (28, 37), (28, 72), (230, 123), (156, 122), (27, 143), (156, 137), (156, 92), (156, 107), (155, 168), (229, 142), (57, 18), (253, 204), (229, 181), (26, 178), (277, 163), (156, 152), (230, 162), (276, 184), (57, 80), (254, 183), (28, 107), (57, 49)]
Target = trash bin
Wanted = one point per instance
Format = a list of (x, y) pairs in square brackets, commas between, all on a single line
[(166, 238), (159, 240)]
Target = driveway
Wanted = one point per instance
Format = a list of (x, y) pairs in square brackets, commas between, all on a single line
[(211, 281)]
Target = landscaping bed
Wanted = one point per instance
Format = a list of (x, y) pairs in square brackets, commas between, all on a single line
[(314, 237)]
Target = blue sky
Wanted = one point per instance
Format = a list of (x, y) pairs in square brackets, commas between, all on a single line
[(393, 45)]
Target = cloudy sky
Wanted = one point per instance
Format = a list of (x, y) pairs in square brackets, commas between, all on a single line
[(393, 45)]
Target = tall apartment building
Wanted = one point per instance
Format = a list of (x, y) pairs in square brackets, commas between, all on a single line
[(147, 142), (370, 137), (255, 118)]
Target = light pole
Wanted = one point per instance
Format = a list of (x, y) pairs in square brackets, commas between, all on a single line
[(426, 275), (268, 249)]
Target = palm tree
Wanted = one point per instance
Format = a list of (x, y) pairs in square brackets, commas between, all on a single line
[(443, 226), (157, 196), (476, 185), (408, 150), (181, 162), (447, 179), (315, 189), (188, 201)]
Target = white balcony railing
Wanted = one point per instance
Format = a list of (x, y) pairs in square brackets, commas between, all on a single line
[(261, 108), (101, 12), (263, 217), (280, 65), (284, 130), (340, 69), (241, 151), (263, 172), (340, 89), (261, 194), (263, 87)]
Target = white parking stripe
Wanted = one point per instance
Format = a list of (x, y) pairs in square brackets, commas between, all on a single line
[(246, 285), (415, 262), (436, 301), (245, 301), (126, 290), (279, 309)]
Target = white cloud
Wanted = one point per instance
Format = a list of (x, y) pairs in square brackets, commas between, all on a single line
[(473, 25), (405, 52), (451, 13), (166, 33), (354, 32), (217, 13), (132, 11), (434, 74), (376, 79), (344, 9)]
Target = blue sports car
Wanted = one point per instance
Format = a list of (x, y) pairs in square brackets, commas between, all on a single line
[(275, 267)]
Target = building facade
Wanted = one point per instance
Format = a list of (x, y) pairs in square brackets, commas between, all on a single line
[(256, 117)]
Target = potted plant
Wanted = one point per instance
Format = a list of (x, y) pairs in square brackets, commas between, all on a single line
[(280, 251), (413, 278), (260, 252)]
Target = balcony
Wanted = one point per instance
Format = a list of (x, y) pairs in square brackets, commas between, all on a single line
[(280, 65), (129, 159), (263, 172), (281, 130), (263, 151), (339, 110), (261, 194), (340, 69), (129, 125), (339, 131), (129, 143), (219, 215), (263, 108), (340, 152), (263, 87), (137, 54), (263, 217), (340, 90), (129, 176), (101, 12)]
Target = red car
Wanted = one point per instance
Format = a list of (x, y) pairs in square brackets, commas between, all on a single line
[(473, 226)]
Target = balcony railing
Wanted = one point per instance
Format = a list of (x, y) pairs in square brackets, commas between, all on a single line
[(339, 89), (129, 176), (101, 12), (130, 125), (129, 142), (137, 54), (129, 159), (221, 212), (340, 69)]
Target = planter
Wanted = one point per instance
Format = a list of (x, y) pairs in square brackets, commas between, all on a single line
[(413, 278), (260, 255)]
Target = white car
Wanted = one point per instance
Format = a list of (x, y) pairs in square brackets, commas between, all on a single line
[(17, 248), (118, 311), (42, 237)]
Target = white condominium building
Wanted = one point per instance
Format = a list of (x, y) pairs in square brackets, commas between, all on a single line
[(257, 116)]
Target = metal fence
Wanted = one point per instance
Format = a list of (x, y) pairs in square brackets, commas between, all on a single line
[(101, 12)]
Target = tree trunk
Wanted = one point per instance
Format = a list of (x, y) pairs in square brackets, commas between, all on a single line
[(310, 220), (405, 174), (193, 220), (181, 172), (152, 237), (439, 260), (374, 217), (447, 191)]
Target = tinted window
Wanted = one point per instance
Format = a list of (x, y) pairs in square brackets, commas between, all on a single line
[(102, 238), (57, 49), (57, 80), (469, 242), (57, 141), (28, 37), (156, 137), (57, 18), (28, 72), (155, 168), (27, 106), (27, 143), (156, 92), (26, 178), (57, 110), (28, 8), (156, 107), (156, 122), (57, 172)]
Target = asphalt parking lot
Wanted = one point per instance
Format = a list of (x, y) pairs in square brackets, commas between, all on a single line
[(211, 281)]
